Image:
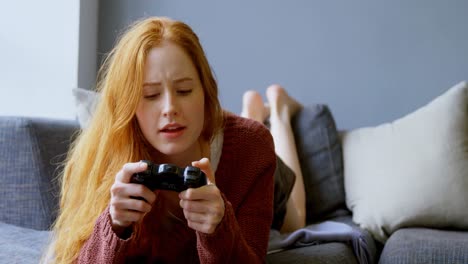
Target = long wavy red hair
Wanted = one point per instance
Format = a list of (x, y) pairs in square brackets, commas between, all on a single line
[(113, 137)]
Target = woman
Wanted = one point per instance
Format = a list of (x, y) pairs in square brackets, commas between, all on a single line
[(159, 102)]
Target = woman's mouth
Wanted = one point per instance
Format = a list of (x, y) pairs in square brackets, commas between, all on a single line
[(173, 131), (170, 130)]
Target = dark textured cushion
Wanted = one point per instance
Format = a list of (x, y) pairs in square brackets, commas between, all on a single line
[(320, 155), (423, 245), (31, 150)]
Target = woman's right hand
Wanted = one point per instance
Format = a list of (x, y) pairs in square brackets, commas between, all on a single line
[(125, 210)]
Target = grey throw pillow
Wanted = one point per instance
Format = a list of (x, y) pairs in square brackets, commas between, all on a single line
[(320, 155)]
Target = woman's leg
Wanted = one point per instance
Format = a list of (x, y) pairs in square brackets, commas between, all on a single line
[(281, 108)]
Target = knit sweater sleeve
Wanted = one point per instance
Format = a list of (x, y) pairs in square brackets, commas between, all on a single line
[(242, 235), (103, 246)]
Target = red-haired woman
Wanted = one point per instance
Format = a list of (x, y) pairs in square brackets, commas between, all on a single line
[(159, 102)]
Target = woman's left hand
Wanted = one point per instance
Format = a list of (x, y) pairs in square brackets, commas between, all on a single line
[(204, 206)]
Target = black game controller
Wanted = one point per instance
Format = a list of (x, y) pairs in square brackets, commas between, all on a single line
[(169, 177)]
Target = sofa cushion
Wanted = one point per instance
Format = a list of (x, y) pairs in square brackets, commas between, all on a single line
[(22, 245), (327, 253), (373, 247), (31, 151), (413, 171), (338, 230), (423, 245), (320, 155)]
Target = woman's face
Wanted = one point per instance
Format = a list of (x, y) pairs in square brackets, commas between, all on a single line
[(171, 110)]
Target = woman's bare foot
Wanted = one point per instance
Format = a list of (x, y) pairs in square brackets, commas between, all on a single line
[(281, 104), (253, 107)]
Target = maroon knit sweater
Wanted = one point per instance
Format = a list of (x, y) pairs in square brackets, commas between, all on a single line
[(245, 178)]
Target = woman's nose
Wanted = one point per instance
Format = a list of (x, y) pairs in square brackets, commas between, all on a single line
[(170, 105)]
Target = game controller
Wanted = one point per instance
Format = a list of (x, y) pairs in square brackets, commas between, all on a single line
[(169, 177)]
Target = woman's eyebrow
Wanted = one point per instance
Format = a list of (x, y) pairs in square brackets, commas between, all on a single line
[(151, 83), (184, 79), (179, 80)]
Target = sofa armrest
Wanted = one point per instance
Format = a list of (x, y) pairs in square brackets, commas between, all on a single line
[(31, 152)]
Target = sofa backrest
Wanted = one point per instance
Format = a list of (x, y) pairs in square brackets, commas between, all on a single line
[(31, 152)]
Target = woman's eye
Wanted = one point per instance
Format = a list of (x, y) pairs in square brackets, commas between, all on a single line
[(151, 96), (184, 92)]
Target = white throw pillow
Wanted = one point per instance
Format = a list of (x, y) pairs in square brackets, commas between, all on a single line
[(85, 102), (413, 171)]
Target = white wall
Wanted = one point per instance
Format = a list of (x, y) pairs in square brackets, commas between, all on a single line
[(38, 57)]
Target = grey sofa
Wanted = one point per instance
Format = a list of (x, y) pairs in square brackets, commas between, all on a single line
[(32, 149)]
